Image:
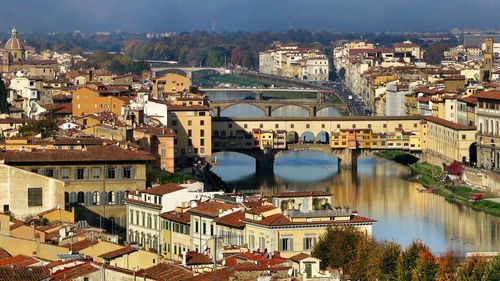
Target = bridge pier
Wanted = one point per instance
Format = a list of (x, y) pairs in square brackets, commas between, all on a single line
[(217, 111), (264, 162), (269, 111), (349, 159), (258, 96)]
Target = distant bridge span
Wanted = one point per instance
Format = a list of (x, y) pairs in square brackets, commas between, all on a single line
[(188, 70), (269, 106)]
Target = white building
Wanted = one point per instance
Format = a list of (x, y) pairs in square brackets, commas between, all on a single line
[(145, 206), (395, 99)]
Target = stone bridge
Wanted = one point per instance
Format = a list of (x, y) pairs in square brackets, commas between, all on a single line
[(269, 106), (264, 159), (188, 71)]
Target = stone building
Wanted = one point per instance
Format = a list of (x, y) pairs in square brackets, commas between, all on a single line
[(488, 130)]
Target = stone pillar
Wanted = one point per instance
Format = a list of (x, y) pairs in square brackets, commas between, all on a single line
[(269, 111), (189, 74), (264, 162), (348, 158), (217, 111), (314, 111), (258, 96)]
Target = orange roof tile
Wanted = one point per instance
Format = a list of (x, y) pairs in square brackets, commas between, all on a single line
[(234, 219), (163, 189), (211, 208)]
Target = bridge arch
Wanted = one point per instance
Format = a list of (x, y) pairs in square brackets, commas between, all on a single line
[(304, 111), (307, 137), (328, 110), (323, 137), (254, 110)]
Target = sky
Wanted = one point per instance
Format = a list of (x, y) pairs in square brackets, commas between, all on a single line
[(247, 15)]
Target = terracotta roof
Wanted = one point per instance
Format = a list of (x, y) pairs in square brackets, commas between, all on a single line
[(488, 95), (72, 273), (118, 253), (19, 261), (211, 208), (448, 124), (301, 194), (80, 245), (297, 258), (280, 220), (260, 257), (98, 153), (4, 254), (59, 108), (13, 120), (184, 218), (261, 209), (234, 219), (470, 100), (166, 271), (195, 258), (33, 273), (140, 202), (163, 189), (158, 131)]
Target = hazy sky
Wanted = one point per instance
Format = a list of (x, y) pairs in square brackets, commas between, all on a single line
[(247, 15)]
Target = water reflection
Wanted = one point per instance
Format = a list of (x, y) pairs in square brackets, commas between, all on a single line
[(377, 190)]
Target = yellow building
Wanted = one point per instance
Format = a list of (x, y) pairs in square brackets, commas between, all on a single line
[(97, 98), (58, 215), (266, 140), (95, 250), (176, 235), (297, 232), (159, 141), (170, 83), (96, 177), (449, 141), (130, 258), (193, 132)]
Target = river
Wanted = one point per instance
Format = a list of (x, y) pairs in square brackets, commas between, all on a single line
[(378, 190)]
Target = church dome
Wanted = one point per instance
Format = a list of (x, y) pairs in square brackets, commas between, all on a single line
[(14, 43)]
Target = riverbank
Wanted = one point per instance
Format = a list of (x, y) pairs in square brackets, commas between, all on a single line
[(433, 178)]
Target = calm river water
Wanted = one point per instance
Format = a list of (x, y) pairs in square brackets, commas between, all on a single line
[(378, 190)]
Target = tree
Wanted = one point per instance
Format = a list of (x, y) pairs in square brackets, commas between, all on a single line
[(492, 269), (389, 260), (337, 247), (425, 267), (4, 105), (366, 263), (47, 129), (408, 260), (474, 268), (447, 267)]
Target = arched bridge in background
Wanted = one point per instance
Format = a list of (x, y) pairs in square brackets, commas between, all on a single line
[(269, 106), (188, 71)]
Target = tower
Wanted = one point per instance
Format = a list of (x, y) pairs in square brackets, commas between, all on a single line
[(488, 57)]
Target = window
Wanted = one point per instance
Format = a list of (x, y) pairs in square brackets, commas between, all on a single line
[(202, 133), (49, 173), (251, 241), (309, 243), (131, 217), (308, 126), (202, 122), (196, 227), (262, 243), (276, 126), (190, 133), (190, 122), (149, 221), (204, 228), (286, 244), (127, 173), (292, 126), (34, 170), (202, 142), (111, 173), (96, 173), (34, 196), (211, 230), (81, 173)]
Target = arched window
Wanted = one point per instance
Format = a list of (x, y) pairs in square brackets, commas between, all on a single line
[(486, 128), (480, 127), (491, 127), (80, 198), (111, 198), (96, 198), (130, 236), (497, 130)]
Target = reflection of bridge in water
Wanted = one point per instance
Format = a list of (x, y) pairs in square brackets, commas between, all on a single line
[(235, 134), (269, 106)]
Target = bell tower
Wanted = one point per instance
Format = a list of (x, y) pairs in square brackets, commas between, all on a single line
[(488, 57)]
